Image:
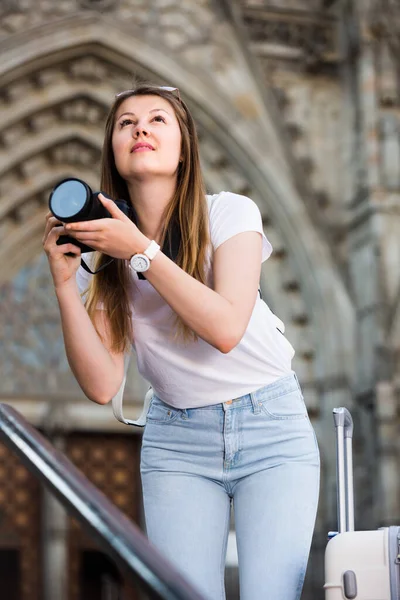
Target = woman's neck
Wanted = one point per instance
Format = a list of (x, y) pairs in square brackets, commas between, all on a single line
[(150, 199)]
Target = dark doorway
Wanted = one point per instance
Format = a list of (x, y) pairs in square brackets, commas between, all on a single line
[(99, 577), (10, 574)]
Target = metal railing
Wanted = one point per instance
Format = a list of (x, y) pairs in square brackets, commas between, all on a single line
[(121, 539)]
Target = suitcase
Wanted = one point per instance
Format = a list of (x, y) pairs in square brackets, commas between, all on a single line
[(364, 565)]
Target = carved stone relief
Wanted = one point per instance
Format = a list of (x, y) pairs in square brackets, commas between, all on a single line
[(310, 107), (384, 20), (296, 47), (172, 22), (295, 5), (280, 29), (100, 5), (309, 39)]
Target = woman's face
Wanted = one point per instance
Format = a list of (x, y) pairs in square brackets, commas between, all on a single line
[(146, 139)]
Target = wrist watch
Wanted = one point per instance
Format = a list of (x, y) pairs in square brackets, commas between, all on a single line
[(141, 262)]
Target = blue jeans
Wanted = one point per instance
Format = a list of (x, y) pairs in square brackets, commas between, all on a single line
[(258, 451)]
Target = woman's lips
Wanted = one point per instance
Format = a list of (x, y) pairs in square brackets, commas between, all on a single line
[(142, 146)]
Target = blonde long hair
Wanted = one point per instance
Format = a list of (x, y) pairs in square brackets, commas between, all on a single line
[(187, 210)]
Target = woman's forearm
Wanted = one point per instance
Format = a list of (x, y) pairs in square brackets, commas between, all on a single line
[(206, 312), (97, 373)]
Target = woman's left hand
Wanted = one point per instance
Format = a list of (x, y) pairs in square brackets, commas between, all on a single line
[(117, 237)]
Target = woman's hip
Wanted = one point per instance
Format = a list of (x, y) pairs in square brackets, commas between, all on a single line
[(256, 430)]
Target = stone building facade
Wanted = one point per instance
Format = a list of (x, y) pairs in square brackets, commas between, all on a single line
[(297, 106)]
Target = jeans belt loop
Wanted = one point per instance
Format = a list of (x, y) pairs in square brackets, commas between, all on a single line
[(297, 381), (255, 403)]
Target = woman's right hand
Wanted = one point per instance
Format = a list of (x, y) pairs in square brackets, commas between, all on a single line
[(63, 268)]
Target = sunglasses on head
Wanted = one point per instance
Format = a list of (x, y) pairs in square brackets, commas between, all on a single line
[(160, 87)]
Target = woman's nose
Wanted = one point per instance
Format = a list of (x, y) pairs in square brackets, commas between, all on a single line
[(137, 131)]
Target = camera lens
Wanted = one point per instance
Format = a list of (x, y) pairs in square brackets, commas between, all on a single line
[(68, 198)]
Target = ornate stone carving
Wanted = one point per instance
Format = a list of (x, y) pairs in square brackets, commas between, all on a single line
[(294, 5), (384, 23), (306, 36), (171, 22), (101, 5), (384, 20)]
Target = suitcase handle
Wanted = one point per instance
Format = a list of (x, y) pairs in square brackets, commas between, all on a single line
[(344, 469)]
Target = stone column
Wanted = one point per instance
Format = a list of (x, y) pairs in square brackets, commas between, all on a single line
[(372, 255)]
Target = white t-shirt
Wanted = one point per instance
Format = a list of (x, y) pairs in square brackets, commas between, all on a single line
[(193, 374)]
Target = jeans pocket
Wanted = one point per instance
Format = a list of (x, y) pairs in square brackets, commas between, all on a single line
[(161, 413), (287, 406)]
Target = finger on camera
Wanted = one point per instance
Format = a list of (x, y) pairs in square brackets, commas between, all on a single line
[(50, 238), (55, 222), (50, 218), (50, 226)]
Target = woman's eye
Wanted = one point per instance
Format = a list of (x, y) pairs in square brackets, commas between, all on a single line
[(125, 122), (159, 117)]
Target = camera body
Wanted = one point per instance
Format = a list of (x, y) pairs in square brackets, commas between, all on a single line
[(72, 201)]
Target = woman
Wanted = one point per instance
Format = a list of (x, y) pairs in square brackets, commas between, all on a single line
[(227, 421)]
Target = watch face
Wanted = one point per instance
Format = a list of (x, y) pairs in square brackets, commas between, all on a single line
[(140, 263)]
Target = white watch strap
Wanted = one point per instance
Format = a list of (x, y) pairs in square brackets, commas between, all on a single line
[(151, 250), (117, 401)]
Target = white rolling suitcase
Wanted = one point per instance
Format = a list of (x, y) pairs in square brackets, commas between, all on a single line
[(364, 565)]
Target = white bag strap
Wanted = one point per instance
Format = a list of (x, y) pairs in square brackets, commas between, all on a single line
[(117, 401)]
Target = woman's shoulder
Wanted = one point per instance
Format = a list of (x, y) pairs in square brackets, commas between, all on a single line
[(230, 214), (225, 199), (211, 198)]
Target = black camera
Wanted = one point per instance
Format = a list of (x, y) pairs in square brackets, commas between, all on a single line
[(72, 201)]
